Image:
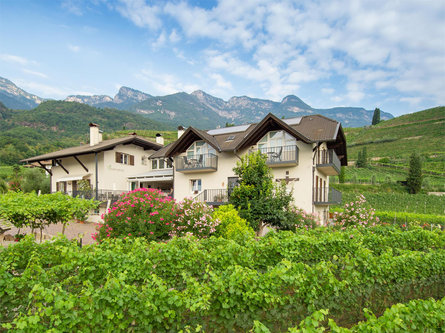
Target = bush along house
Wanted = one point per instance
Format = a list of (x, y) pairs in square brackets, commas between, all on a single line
[(302, 152)]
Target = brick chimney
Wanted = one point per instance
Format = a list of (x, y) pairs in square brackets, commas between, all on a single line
[(159, 139), (95, 135)]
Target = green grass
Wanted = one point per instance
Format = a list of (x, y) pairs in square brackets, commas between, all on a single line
[(390, 143)]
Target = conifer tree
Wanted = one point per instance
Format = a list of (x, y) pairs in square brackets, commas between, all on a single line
[(376, 116), (414, 180)]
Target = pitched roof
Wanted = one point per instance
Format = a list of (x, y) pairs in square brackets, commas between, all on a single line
[(101, 146)]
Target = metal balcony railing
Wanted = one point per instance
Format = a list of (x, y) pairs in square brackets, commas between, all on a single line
[(197, 162), (280, 154), (99, 195), (213, 197), (328, 160), (326, 196)]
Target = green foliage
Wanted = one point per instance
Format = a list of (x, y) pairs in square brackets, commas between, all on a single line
[(140, 213), (356, 214), (362, 160), (396, 139), (55, 125), (415, 316), (35, 179), (193, 218), (29, 210), (258, 199), (148, 213), (231, 225), (414, 180), (216, 284), (3, 186), (382, 198), (376, 116), (298, 218), (341, 176)]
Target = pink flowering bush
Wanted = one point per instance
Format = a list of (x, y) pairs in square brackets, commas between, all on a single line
[(194, 218), (298, 218), (140, 213), (357, 213)]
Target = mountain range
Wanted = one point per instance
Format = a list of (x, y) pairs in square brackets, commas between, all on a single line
[(197, 109)]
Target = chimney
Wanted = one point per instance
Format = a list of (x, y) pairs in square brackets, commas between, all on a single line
[(181, 131), (100, 136), (159, 139), (94, 134)]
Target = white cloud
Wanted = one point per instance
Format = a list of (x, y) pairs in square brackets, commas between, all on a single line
[(140, 13), (15, 59), (364, 45), (163, 84), (35, 73), (73, 48), (412, 100)]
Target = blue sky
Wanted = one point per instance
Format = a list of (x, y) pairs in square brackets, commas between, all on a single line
[(387, 54)]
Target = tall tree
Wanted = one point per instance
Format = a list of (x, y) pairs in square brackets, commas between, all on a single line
[(258, 198), (414, 180), (376, 116), (362, 158)]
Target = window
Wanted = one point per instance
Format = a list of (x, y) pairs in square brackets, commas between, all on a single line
[(124, 158), (160, 164), (276, 139), (200, 147), (196, 185)]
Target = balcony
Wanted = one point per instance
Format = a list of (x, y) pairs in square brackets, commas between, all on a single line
[(100, 195), (213, 197), (196, 163), (280, 156), (327, 162), (326, 196)]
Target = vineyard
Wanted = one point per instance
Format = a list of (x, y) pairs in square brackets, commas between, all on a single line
[(220, 285)]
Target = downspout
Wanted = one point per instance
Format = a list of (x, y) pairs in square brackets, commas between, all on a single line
[(97, 175)]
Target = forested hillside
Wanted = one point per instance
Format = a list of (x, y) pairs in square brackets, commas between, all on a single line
[(55, 124)]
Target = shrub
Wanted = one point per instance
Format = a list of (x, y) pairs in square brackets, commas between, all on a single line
[(355, 214), (298, 218), (139, 213), (232, 226), (193, 218)]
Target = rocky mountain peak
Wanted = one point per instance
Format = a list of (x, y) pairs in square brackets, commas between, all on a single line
[(127, 94), (16, 98)]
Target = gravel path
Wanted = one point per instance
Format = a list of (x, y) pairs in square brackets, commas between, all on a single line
[(72, 231)]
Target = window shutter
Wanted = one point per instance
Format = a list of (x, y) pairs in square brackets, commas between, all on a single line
[(131, 159), (57, 187), (118, 157)]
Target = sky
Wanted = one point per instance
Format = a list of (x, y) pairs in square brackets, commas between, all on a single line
[(387, 54)]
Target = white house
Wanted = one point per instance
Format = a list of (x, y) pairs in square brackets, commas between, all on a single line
[(99, 169), (303, 152)]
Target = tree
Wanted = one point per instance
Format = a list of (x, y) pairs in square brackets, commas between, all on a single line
[(376, 116), (258, 199), (414, 180), (362, 159), (342, 175)]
